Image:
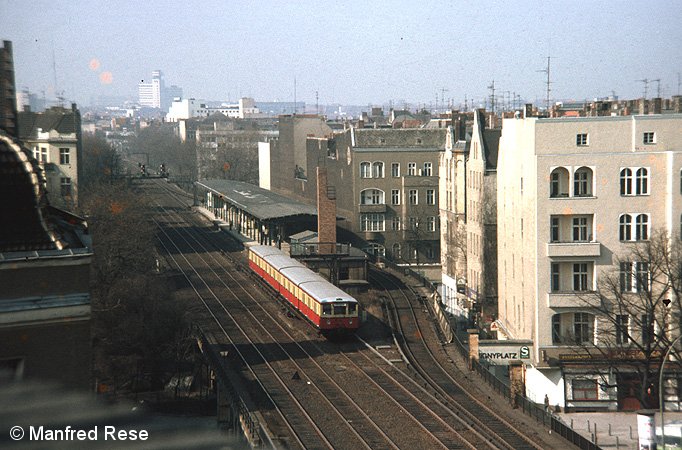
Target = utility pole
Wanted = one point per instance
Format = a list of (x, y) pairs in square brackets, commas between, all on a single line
[(646, 86)]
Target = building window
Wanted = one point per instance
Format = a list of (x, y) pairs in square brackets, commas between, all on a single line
[(581, 328), (580, 277), (430, 197), (414, 223), (431, 223), (626, 277), (554, 229), (626, 181), (372, 197), (580, 229), (395, 196), (558, 183), (556, 329), (582, 182), (642, 181), (396, 224), (428, 169), (649, 137), (414, 197), (622, 329), (634, 276), (66, 187), (642, 227), (365, 170), (412, 169), (371, 222), (64, 156), (647, 328), (395, 170), (556, 277), (378, 169), (584, 390), (397, 253), (625, 229), (581, 139), (430, 253), (43, 154)]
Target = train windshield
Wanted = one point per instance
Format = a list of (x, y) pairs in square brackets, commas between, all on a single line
[(352, 308), (339, 309), (326, 309)]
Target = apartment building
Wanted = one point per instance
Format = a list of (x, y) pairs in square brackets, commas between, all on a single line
[(468, 186), (54, 137), (574, 196), (385, 180), (45, 258)]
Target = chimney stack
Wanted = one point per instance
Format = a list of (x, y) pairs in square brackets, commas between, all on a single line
[(326, 213)]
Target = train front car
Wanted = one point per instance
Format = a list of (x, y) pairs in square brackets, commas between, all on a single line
[(338, 311)]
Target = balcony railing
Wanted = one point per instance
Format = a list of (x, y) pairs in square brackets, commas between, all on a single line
[(567, 249), (572, 299)]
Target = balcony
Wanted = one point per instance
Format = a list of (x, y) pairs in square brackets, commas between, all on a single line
[(568, 249), (379, 208), (572, 299)]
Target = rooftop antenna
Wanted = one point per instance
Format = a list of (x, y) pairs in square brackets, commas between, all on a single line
[(658, 87), (548, 82), (646, 86), (492, 96), (442, 96)]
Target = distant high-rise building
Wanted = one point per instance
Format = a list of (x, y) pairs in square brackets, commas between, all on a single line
[(8, 108), (155, 94), (150, 92)]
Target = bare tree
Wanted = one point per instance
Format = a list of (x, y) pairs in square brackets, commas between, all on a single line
[(100, 161), (637, 307)]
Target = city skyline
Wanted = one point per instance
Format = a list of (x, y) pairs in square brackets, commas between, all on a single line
[(351, 54)]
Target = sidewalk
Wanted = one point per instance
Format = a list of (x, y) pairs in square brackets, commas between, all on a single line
[(623, 427)]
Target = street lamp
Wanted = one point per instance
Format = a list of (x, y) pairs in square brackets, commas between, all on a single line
[(660, 389)]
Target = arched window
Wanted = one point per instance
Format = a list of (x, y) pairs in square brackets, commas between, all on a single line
[(642, 227), (582, 182), (397, 251), (642, 181), (365, 170), (558, 183), (626, 182), (378, 169), (625, 233), (372, 197)]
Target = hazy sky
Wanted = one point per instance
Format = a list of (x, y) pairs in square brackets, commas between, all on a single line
[(351, 52)]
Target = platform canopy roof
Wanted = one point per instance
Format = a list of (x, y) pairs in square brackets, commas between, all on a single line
[(256, 201)]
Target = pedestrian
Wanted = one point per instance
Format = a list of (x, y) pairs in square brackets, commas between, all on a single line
[(546, 403)]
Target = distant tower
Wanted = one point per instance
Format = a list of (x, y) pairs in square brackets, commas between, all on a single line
[(8, 98), (150, 93)]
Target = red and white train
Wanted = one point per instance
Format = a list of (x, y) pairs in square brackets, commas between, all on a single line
[(329, 308)]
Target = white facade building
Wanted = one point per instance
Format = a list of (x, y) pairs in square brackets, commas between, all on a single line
[(573, 194), (150, 92)]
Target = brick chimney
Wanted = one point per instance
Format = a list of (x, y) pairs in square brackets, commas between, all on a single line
[(656, 108), (326, 213)]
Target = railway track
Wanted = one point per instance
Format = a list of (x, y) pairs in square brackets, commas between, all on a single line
[(357, 421), (499, 431)]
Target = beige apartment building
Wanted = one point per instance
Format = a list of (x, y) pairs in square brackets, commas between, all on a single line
[(468, 219), (574, 196)]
